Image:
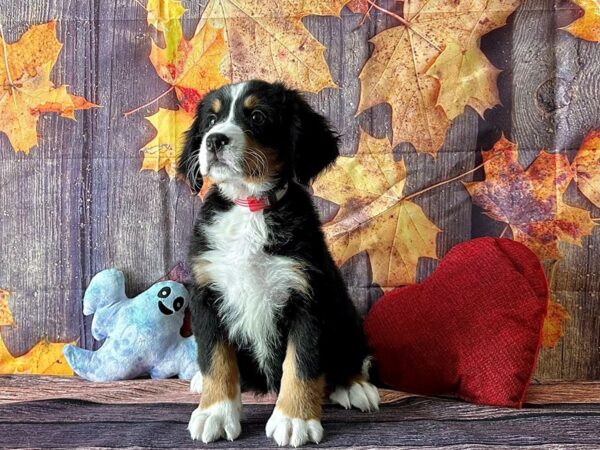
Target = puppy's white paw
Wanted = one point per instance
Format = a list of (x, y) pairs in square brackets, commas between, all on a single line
[(221, 420), (293, 431), (196, 383), (361, 394)]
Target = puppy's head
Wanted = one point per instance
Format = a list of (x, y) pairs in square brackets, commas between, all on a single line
[(249, 136)]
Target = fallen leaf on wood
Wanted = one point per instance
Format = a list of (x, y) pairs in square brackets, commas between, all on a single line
[(27, 90), (162, 12), (466, 78), (6, 317), (531, 201), (359, 6), (268, 40), (45, 358), (587, 167), (373, 216), (554, 324), (588, 26), (397, 71), (195, 67), (163, 151)]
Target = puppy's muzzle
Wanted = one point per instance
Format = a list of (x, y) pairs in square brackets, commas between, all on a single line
[(216, 142)]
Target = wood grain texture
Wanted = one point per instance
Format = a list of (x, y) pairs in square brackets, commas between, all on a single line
[(16, 389), (79, 204), (405, 423)]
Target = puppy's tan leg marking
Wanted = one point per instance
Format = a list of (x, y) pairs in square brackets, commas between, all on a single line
[(200, 271), (296, 419), (218, 415)]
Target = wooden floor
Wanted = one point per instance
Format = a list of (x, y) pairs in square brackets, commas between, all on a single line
[(149, 414)]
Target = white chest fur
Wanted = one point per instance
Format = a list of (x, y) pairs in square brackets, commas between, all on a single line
[(254, 285)]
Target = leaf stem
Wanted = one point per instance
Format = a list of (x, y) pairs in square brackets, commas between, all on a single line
[(364, 17), (404, 22), (5, 51), (449, 180), (128, 113)]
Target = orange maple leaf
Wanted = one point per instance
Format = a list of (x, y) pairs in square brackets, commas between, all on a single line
[(267, 40), (6, 317), (553, 324), (45, 358), (25, 87), (531, 201), (588, 26), (195, 67), (587, 167), (403, 54), (373, 215)]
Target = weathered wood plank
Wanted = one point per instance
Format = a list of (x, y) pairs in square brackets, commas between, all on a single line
[(15, 389), (84, 425), (41, 198)]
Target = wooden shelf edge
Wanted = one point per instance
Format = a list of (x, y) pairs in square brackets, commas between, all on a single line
[(22, 388)]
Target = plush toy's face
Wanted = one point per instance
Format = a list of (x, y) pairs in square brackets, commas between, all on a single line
[(170, 298)]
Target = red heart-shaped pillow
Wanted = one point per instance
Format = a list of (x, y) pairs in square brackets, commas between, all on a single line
[(472, 329)]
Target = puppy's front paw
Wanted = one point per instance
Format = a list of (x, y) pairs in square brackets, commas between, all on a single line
[(221, 420), (292, 430)]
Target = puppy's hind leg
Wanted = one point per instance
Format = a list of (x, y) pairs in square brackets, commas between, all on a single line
[(357, 393)]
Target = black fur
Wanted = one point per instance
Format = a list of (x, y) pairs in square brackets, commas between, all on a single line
[(325, 328)]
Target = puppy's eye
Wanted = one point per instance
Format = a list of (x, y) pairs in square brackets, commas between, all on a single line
[(258, 117), (212, 119)]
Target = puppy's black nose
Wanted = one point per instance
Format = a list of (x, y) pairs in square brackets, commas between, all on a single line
[(216, 141)]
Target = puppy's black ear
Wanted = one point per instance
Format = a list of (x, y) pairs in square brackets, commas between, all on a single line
[(315, 145), (188, 165)]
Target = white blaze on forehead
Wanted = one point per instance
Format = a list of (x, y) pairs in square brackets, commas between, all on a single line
[(227, 127)]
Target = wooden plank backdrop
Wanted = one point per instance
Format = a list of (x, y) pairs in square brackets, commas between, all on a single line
[(79, 204)]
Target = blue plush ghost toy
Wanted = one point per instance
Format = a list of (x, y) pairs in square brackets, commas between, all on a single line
[(141, 335)]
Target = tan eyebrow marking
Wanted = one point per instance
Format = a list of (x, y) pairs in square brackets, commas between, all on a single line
[(251, 101), (216, 105)]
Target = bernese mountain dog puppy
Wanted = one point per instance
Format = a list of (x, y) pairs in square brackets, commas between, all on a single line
[(270, 311)]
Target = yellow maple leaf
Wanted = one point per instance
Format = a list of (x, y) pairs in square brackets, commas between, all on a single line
[(531, 201), (396, 73), (588, 26), (162, 12), (267, 40), (45, 358), (373, 216), (163, 151), (6, 317), (587, 167), (195, 67), (553, 324), (466, 78), (25, 87)]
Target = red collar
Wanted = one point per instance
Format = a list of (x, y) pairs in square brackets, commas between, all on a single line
[(256, 204)]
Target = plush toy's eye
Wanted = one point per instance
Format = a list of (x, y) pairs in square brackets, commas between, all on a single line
[(164, 292), (258, 117), (178, 303), (212, 119)]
